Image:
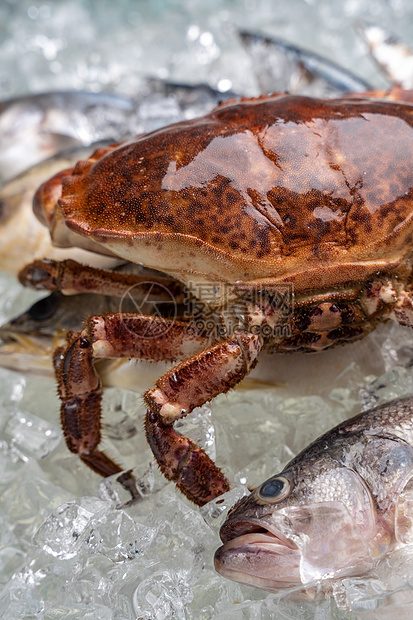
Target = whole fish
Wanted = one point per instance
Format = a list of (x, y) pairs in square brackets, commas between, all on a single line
[(338, 506), (392, 55), (280, 66)]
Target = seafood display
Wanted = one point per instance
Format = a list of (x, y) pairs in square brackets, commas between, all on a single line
[(335, 509), (181, 245), (329, 226)]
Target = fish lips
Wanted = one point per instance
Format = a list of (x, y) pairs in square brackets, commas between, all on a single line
[(257, 556), (261, 552)]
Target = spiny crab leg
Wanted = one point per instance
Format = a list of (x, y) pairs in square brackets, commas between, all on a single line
[(403, 309), (177, 393), (80, 392), (70, 277), (190, 384), (113, 336)]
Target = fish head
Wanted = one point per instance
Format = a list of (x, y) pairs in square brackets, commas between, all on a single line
[(299, 527)]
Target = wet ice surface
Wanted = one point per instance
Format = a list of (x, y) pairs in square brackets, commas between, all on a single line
[(67, 550), (106, 46)]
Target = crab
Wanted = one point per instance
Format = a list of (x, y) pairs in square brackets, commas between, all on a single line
[(294, 213)]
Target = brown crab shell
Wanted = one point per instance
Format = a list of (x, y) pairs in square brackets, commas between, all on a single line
[(282, 188)]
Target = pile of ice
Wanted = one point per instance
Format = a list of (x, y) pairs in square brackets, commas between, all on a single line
[(67, 549), (109, 46)]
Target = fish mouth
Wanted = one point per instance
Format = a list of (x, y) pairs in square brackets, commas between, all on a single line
[(258, 556), (20, 352), (19, 342), (295, 546)]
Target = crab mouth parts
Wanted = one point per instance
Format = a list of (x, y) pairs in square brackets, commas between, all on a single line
[(258, 556)]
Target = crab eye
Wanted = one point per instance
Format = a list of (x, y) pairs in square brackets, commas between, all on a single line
[(274, 489)]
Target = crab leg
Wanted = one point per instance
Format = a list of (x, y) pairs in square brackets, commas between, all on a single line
[(177, 393), (193, 382), (79, 386), (81, 394), (71, 277), (403, 309)]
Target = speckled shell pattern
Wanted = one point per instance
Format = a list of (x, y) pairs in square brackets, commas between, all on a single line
[(270, 189)]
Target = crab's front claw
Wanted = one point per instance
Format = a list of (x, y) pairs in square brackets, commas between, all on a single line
[(177, 393), (183, 462), (71, 278), (80, 393), (210, 370), (112, 336), (47, 209), (40, 275)]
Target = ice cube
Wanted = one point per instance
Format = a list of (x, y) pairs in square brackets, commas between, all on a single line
[(61, 534), (26, 435)]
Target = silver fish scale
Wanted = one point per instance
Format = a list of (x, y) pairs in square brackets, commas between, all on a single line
[(328, 476), (344, 501), (337, 485), (377, 445), (394, 419)]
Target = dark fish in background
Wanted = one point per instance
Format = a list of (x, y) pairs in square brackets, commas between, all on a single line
[(27, 342), (280, 66), (391, 54), (337, 507), (193, 99)]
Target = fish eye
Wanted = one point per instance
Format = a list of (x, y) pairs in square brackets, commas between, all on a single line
[(274, 489), (4, 210), (45, 308)]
